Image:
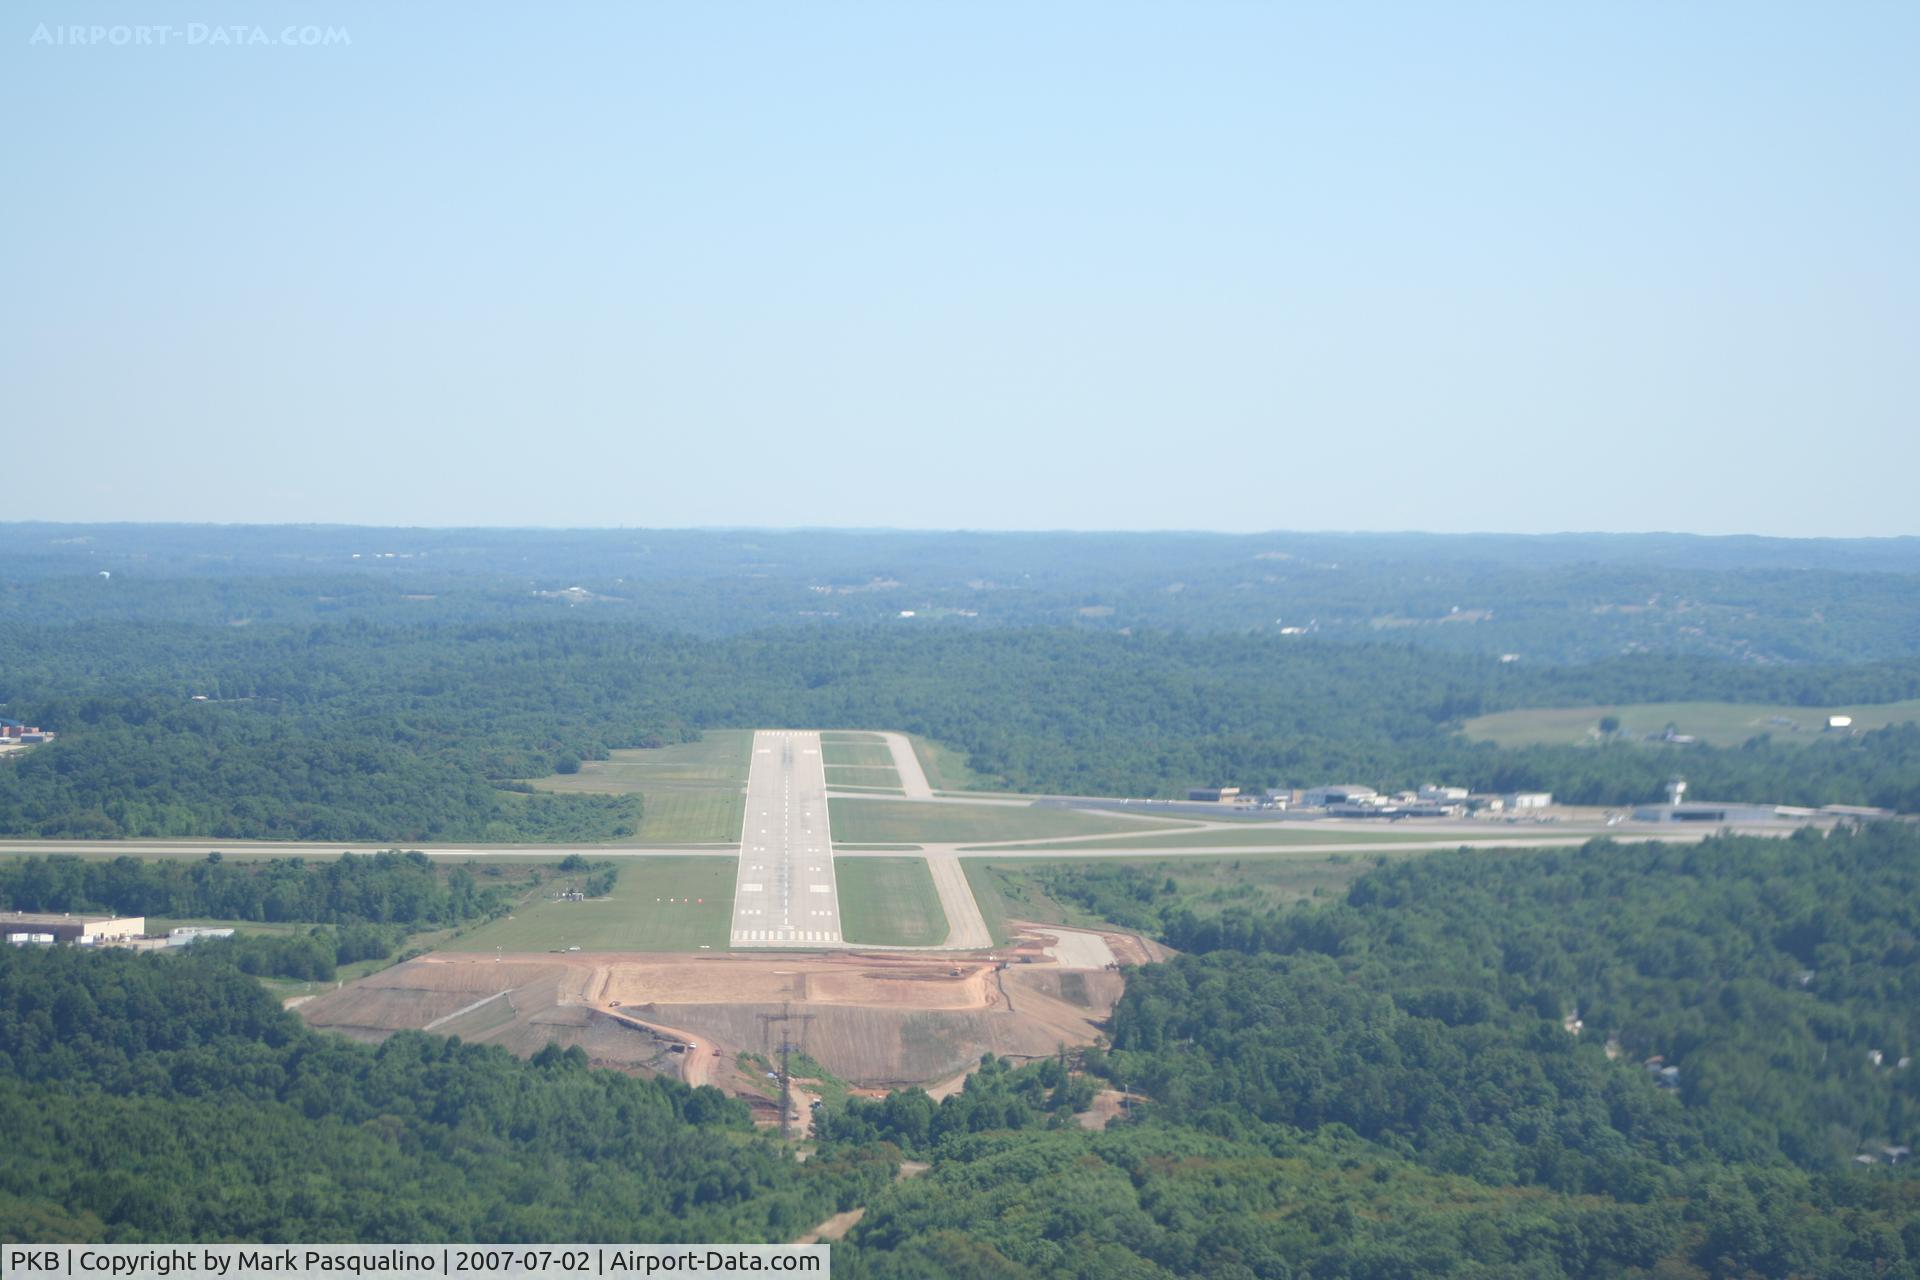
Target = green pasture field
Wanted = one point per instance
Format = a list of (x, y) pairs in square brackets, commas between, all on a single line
[(690, 793), (857, 819), (890, 901), (871, 754), (848, 735), (1264, 837), (1722, 724), (634, 917)]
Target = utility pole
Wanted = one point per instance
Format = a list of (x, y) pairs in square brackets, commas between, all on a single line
[(784, 1017)]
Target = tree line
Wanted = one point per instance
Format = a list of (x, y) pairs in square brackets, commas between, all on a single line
[(363, 907), (382, 888), (404, 734), (1443, 1074)]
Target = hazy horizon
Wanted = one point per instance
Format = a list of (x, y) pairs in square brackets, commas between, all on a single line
[(955, 531), (1012, 530)]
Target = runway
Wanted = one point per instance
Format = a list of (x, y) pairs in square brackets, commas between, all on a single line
[(784, 893)]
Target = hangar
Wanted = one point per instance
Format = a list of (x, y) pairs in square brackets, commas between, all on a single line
[(21, 927)]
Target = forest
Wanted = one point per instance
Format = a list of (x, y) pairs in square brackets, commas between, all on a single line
[(1779, 978), (361, 907), (382, 888), (1557, 599), (352, 731), (1459, 1069), (168, 1097)]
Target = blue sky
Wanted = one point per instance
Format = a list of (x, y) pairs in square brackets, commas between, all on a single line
[(1120, 266)]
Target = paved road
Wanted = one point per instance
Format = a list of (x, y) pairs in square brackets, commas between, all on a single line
[(1059, 852), (784, 893), (1058, 847), (966, 927), (322, 849), (906, 763)]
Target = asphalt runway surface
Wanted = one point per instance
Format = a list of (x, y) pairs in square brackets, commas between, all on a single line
[(784, 892)]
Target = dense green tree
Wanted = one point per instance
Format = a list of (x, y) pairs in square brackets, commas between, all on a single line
[(169, 1098)]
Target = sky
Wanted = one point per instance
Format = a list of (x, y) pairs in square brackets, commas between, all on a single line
[(1231, 266)]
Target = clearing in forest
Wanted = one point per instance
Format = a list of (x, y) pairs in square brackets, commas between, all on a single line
[(1720, 724)]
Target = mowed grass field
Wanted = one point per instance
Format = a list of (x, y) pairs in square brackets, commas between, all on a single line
[(1723, 724), (889, 901), (849, 775), (872, 754), (1015, 889), (858, 820), (691, 793), (637, 916)]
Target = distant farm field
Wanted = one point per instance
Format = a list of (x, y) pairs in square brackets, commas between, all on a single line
[(863, 821), (1722, 724), (657, 904), (889, 901), (691, 793)]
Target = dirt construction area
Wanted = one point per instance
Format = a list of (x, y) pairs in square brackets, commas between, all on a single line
[(872, 1019)]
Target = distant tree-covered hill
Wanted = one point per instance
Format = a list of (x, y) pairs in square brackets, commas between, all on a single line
[(1574, 597)]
